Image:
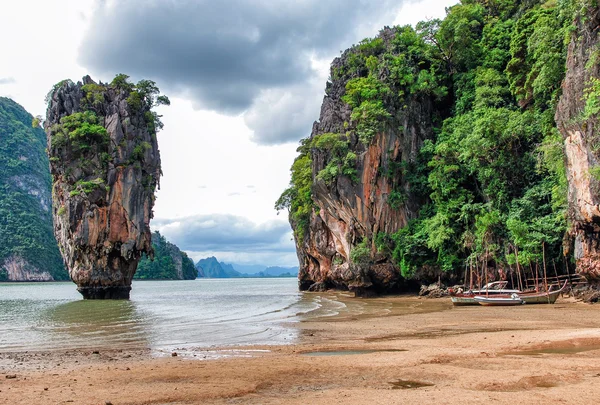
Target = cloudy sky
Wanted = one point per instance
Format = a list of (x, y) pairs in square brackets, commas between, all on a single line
[(245, 79)]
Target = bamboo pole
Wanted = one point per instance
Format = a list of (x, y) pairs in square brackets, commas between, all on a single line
[(518, 269), (487, 290), (478, 275), (568, 272), (512, 279), (532, 274), (471, 273), (544, 261)]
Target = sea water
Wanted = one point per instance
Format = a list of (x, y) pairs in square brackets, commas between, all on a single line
[(161, 315)]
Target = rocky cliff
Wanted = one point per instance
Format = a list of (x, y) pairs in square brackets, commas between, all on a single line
[(359, 153), (577, 119), (28, 250), (105, 165)]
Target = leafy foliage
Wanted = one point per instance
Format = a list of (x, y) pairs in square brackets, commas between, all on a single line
[(341, 160), (496, 177), (361, 253), (164, 265), (297, 198)]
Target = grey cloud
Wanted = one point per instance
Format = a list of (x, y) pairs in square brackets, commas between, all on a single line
[(224, 55), (7, 80), (284, 115), (226, 233)]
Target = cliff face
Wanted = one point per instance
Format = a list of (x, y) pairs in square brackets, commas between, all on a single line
[(28, 250), (577, 119), (366, 194), (105, 164)]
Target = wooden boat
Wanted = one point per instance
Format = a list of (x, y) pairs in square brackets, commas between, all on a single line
[(463, 299), (528, 297), (496, 288), (504, 300), (546, 297)]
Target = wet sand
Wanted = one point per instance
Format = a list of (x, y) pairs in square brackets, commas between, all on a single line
[(395, 350)]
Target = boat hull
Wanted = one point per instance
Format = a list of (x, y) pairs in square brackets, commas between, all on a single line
[(498, 301), (541, 298), (460, 301)]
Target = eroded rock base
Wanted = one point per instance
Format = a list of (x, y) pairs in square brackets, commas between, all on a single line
[(105, 293)]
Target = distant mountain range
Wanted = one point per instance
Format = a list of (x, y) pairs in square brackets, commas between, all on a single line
[(210, 267)]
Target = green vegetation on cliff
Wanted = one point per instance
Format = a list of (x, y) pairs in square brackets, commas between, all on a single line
[(83, 138), (169, 262), (298, 197), (492, 178), (25, 218)]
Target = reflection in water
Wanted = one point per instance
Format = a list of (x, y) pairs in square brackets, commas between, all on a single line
[(96, 324), (161, 315)]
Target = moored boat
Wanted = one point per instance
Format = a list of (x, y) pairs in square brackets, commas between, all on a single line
[(505, 300), (496, 288), (545, 297)]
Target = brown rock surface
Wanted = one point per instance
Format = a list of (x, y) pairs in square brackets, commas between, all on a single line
[(349, 211), (580, 131), (103, 184)]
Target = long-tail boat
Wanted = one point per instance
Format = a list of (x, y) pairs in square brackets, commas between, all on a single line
[(496, 288), (542, 297), (499, 300), (527, 297)]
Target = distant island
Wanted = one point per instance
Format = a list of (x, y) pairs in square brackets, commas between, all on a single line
[(211, 267), (169, 263)]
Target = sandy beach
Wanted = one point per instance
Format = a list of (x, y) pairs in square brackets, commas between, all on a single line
[(393, 350)]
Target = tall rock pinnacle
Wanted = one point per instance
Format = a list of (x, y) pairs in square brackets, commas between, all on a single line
[(105, 166)]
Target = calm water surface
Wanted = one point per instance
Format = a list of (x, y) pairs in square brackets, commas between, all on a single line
[(161, 315)]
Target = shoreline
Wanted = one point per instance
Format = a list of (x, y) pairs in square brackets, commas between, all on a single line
[(374, 351)]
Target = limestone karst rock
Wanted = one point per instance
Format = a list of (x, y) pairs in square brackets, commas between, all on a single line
[(352, 207), (105, 165), (577, 119)]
